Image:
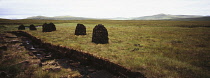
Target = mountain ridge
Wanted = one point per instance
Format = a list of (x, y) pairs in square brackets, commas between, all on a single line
[(165, 17), (58, 18), (152, 17)]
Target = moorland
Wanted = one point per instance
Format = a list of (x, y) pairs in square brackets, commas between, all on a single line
[(177, 49)]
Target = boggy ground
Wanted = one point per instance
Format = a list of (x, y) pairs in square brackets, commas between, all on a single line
[(21, 58), (154, 48), (158, 49)]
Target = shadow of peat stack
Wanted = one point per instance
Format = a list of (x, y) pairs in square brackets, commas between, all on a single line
[(32, 27), (100, 35), (21, 27), (80, 29), (48, 27)]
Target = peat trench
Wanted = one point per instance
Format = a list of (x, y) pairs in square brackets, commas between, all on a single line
[(81, 61)]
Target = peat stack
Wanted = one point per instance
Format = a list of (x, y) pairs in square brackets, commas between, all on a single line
[(53, 28), (100, 35), (44, 27), (48, 27), (21, 27), (80, 29), (32, 27)]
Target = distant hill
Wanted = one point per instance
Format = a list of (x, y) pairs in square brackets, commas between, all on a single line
[(119, 18), (153, 17), (206, 18), (58, 18), (165, 17)]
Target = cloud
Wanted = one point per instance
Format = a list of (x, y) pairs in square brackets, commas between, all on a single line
[(103, 8)]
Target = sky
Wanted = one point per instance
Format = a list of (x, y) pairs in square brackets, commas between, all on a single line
[(19, 9)]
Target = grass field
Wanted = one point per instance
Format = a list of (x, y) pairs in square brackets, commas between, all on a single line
[(176, 49)]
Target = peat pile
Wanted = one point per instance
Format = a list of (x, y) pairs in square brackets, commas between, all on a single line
[(85, 58), (48, 27), (32, 27), (21, 27), (100, 34), (80, 29)]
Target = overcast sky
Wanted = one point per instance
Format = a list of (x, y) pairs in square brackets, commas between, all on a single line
[(14, 9)]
